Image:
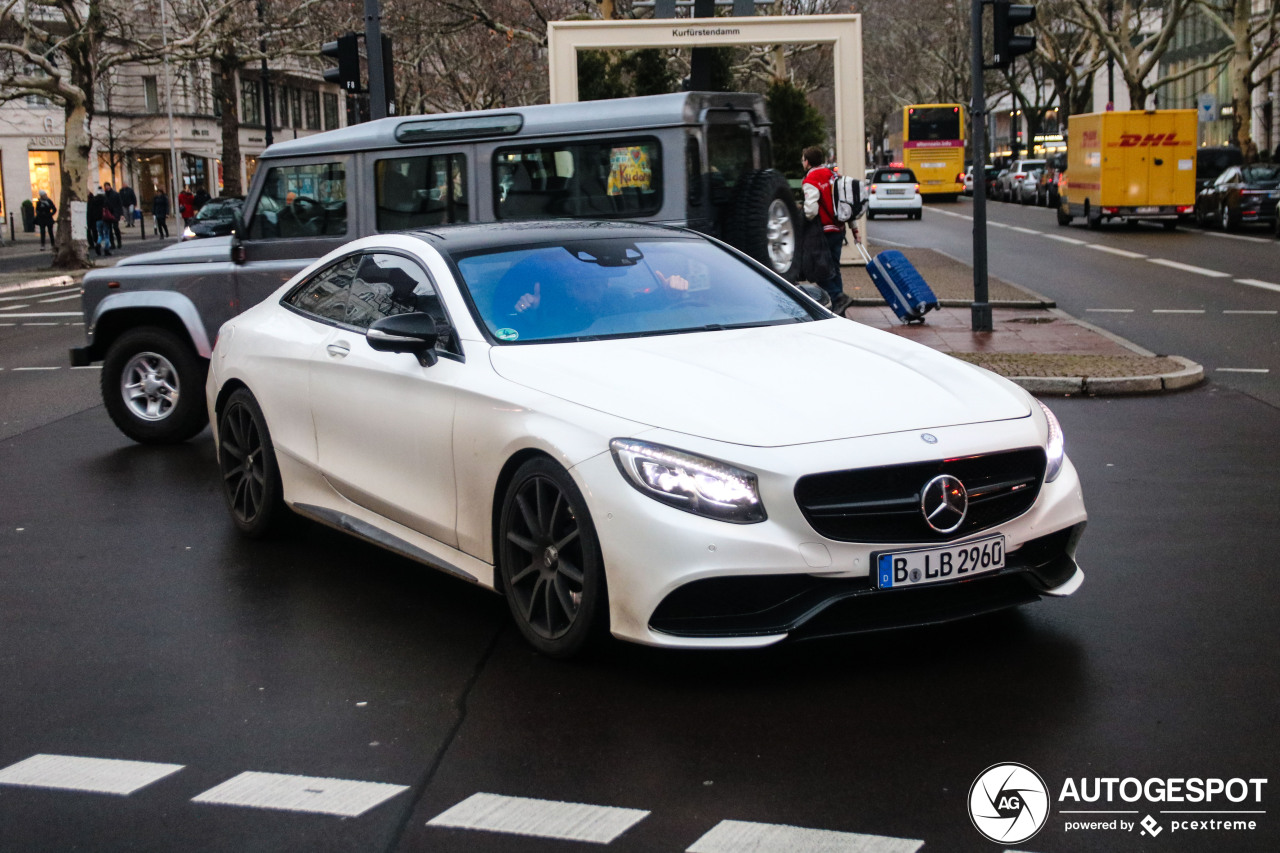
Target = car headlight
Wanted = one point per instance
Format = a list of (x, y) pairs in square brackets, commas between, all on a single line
[(188, 234), (692, 483), (1055, 447)]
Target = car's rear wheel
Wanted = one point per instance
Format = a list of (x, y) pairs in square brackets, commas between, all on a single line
[(550, 563), (1227, 221), (1091, 219), (152, 386), (247, 459), (765, 221), (1064, 218)]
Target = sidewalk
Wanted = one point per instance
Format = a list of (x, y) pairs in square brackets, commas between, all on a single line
[(23, 264), (1032, 342)]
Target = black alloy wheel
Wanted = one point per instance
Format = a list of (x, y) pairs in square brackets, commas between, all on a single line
[(550, 563), (250, 476)]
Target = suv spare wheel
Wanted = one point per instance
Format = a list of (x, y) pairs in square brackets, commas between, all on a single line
[(764, 221)]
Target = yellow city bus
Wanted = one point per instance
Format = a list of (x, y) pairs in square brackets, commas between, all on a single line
[(933, 148)]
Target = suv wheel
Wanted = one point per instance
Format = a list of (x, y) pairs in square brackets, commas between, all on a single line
[(153, 386), (765, 222)]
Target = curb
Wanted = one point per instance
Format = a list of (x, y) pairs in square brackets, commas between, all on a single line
[(56, 281), (1191, 374)]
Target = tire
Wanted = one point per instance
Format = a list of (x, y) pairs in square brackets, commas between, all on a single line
[(1022, 197), (550, 563), (1201, 219), (153, 386), (247, 460), (1170, 225), (870, 214), (1226, 220), (1092, 221), (765, 222), (1064, 218)]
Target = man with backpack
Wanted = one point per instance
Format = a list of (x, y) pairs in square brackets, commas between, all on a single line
[(819, 204)]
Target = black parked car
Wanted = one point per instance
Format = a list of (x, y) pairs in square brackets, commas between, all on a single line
[(215, 219), (1213, 161), (1240, 194)]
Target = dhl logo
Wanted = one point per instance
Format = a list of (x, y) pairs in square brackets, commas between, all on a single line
[(1151, 140)]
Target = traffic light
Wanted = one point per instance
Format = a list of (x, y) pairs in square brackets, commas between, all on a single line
[(1006, 43), (347, 51)]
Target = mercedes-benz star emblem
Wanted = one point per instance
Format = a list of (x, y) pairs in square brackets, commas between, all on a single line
[(944, 503), (928, 438)]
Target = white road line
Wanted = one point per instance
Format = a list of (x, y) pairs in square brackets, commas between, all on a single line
[(341, 797), (1243, 370), (1228, 311), (42, 324), (89, 367), (16, 369), (999, 225), (8, 316), (56, 299), (1177, 310), (733, 836), (1026, 230), (1253, 282), (1238, 237), (1189, 268), (1124, 253), (15, 307), (74, 773), (8, 324), (1108, 310), (540, 818), (1063, 239), (23, 296)]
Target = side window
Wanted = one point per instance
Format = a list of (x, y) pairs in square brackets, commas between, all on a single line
[(325, 294), (305, 200), (385, 285), (602, 179), (415, 192)]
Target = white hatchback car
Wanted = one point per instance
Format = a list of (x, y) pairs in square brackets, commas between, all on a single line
[(620, 428), (894, 190)]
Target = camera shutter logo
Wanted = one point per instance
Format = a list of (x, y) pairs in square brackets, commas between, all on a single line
[(1008, 803)]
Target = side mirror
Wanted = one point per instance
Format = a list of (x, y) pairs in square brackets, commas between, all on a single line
[(413, 333)]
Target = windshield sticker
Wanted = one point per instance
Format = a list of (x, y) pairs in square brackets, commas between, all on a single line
[(506, 334), (629, 168)]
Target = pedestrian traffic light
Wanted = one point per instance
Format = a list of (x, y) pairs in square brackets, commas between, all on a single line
[(347, 51), (1006, 42)]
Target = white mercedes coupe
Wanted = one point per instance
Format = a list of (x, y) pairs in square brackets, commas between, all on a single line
[(634, 430)]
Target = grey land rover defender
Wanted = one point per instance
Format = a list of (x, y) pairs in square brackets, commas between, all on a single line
[(694, 159)]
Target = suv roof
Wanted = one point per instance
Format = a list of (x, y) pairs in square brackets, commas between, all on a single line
[(583, 117)]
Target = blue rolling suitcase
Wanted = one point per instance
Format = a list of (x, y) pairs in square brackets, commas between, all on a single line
[(901, 285)]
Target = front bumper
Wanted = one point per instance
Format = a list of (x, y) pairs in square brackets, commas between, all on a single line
[(681, 580)]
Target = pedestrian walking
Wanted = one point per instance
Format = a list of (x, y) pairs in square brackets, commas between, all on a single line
[(160, 210), (45, 211), (112, 213), (186, 207), (129, 199), (818, 205), (99, 233)]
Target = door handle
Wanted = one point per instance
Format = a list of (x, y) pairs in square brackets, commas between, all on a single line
[(338, 349)]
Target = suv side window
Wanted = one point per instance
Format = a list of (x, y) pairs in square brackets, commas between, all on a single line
[(416, 192), (578, 179), (302, 200), (325, 295)]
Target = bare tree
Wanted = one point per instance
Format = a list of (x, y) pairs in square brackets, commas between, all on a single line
[(1254, 31), (1070, 54)]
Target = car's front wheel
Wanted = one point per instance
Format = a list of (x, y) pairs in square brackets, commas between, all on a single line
[(247, 459), (550, 563), (1228, 222), (153, 386)]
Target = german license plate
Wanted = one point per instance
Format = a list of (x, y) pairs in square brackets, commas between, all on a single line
[(922, 566), (1148, 210)]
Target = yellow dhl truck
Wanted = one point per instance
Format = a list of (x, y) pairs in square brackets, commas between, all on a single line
[(1136, 165)]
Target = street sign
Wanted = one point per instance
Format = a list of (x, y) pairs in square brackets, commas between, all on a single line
[(1207, 107)]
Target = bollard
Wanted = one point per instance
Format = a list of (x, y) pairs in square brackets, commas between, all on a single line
[(12, 238)]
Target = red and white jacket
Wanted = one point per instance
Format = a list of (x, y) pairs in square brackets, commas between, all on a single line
[(817, 185)]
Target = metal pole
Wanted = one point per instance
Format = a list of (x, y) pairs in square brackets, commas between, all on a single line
[(981, 311), (168, 105), (266, 77), (373, 48), (1111, 60)]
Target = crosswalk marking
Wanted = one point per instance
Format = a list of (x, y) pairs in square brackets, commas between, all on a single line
[(540, 818), (733, 836), (76, 773), (341, 797)]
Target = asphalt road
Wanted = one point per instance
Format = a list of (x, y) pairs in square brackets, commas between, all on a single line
[(136, 626), (1206, 295)]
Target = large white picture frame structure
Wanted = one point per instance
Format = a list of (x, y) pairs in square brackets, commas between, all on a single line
[(842, 32)]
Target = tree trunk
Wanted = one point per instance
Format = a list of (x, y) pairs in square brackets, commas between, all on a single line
[(1241, 84), (228, 64), (70, 249)]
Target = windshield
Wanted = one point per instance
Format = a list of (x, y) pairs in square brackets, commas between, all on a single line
[(616, 288), (933, 124), (217, 210), (1260, 173)]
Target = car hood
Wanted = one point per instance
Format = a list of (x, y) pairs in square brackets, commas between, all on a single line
[(203, 251), (768, 387)]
